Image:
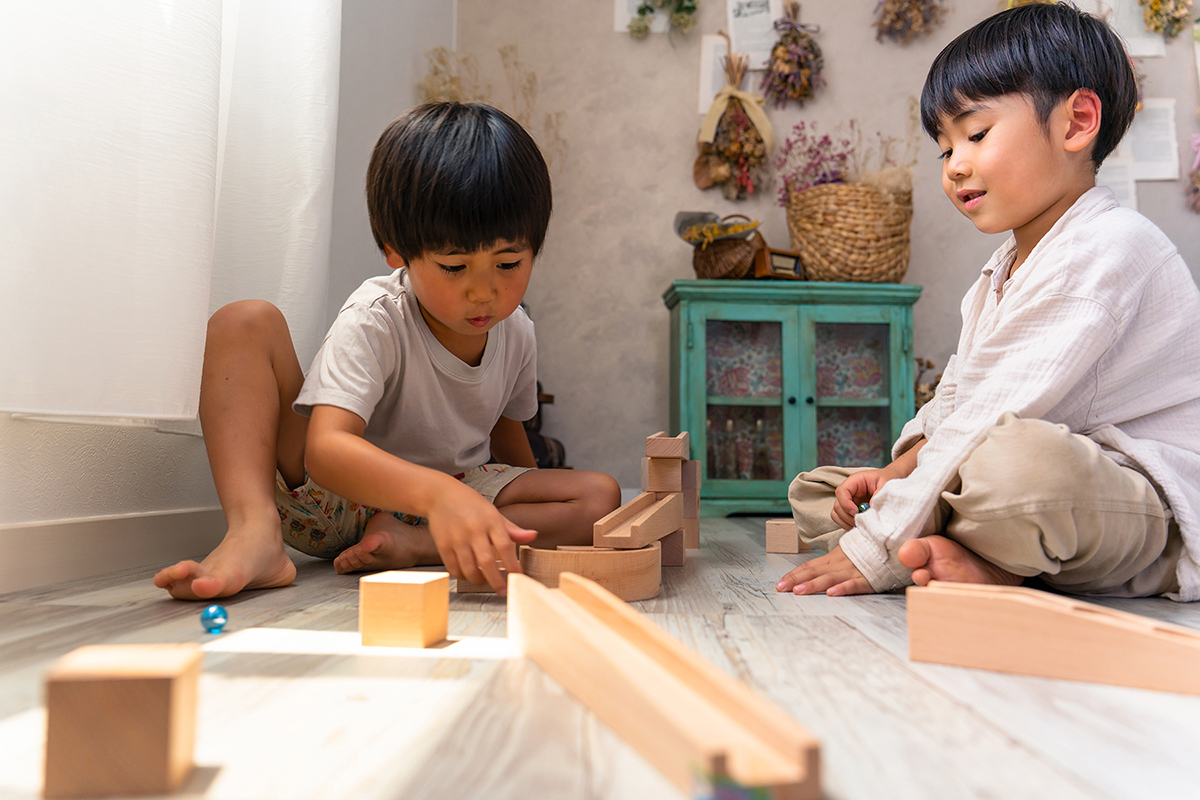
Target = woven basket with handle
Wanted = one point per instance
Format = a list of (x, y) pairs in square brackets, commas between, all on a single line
[(851, 232), (728, 258)]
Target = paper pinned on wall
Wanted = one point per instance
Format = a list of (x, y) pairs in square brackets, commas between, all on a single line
[(1126, 16), (752, 28), (713, 50), (1117, 174), (624, 10), (1153, 143)]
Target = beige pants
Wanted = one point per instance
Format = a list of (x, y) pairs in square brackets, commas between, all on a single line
[(1036, 499)]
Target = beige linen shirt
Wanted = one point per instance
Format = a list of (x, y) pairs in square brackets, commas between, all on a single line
[(1099, 330)]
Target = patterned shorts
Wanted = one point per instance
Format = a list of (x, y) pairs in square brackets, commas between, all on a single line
[(320, 523)]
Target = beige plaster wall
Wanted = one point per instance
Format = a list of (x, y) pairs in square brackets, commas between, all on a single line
[(631, 123)]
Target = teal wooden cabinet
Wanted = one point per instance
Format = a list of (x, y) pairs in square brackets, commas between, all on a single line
[(771, 379)]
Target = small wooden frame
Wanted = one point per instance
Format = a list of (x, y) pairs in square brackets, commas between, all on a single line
[(403, 608), (1029, 632), (121, 719), (631, 575), (662, 475), (772, 263), (782, 537), (660, 445), (663, 517), (692, 721)]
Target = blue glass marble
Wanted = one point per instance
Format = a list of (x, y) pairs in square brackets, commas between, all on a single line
[(214, 618), (863, 507)]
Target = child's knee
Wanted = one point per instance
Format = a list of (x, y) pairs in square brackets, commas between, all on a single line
[(602, 494), (1022, 458), (244, 320)]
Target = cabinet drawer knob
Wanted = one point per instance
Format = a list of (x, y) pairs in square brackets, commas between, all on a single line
[(809, 400), (791, 401)]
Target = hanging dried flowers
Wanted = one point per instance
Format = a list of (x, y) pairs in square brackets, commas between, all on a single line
[(1167, 17), (1193, 189), (794, 69), (735, 138), (807, 159), (904, 20), (681, 16)]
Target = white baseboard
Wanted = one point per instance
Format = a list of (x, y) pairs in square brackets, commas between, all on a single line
[(41, 553)]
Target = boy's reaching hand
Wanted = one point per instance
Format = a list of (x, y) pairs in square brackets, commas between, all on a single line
[(833, 573), (471, 534)]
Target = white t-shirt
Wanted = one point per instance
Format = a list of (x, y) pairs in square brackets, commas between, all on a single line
[(1097, 330), (421, 403)]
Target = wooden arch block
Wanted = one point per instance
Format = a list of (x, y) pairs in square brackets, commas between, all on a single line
[(631, 575)]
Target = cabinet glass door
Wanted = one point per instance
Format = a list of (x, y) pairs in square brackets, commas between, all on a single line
[(745, 391), (853, 367)]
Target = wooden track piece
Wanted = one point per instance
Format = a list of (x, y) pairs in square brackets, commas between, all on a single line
[(662, 446), (674, 553), (782, 537), (686, 717), (631, 575), (121, 719), (1030, 632), (663, 517), (662, 475), (403, 608), (691, 534), (623, 514)]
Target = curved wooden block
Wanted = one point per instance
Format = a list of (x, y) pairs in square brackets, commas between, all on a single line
[(629, 574)]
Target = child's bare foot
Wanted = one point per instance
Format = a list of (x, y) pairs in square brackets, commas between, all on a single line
[(388, 543), (243, 560), (940, 559)]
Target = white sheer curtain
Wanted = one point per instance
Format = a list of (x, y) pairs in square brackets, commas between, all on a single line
[(157, 159)]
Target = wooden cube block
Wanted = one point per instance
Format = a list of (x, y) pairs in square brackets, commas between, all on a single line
[(674, 551), (662, 475), (782, 537), (403, 608), (662, 446), (121, 719), (691, 534)]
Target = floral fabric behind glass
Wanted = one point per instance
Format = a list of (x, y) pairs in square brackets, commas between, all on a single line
[(743, 359), (852, 437), (852, 360)]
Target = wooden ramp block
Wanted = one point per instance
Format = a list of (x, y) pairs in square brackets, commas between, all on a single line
[(662, 475), (660, 445), (674, 550), (121, 719), (403, 609), (1029, 632), (631, 575), (692, 721), (782, 537), (661, 518), (623, 514), (691, 534)]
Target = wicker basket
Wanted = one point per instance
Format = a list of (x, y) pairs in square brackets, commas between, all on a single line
[(851, 232), (728, 258)]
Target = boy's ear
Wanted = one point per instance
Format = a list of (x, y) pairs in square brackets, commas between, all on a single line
[(1083, 111), (392, 258)]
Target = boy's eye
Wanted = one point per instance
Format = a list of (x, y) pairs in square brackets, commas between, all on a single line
[(452, 268), (977, 136), (512, 265), (946, 154)]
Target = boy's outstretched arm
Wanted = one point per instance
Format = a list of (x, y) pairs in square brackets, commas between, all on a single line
[(469, 532)]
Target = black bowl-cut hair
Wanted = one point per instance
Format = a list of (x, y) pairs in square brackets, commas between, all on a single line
[(1044, 52), (457, 176)]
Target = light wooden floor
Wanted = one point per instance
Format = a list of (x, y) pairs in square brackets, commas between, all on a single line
[(292, 707)]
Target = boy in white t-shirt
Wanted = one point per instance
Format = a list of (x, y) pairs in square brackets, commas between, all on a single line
[(379, 459), (1063, 444)]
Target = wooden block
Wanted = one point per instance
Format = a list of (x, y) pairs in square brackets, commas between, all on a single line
[(782, 537), (691, 489), (689, 719), (691, 534), (121, 719), (674, 551), (403, 608), (662, 446), (662, 475), (629, 574), (623, 514), (660, 519), (1029, 632)]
